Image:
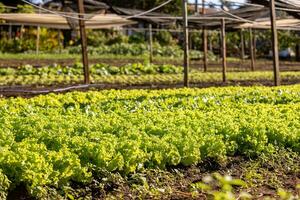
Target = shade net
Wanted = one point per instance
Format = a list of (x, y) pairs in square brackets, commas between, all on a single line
[(91, 7)]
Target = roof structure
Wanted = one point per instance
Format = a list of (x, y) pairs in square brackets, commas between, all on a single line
[(93, 7), (251, 17), (153, 17), (279, 3), (90, 6), (233, 17), (265, 23), (97, 16), (284, 4), (98, 21)]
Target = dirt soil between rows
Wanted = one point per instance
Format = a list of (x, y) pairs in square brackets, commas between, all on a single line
[(263, 176), (28, 91)]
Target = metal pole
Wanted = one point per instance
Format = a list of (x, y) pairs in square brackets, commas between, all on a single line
[(275, 44), (83, 43), (150, 43), (204, 39), (186, 43), (224, 57), (251, 41)]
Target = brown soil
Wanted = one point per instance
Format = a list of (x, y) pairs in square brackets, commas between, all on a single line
[(263, 177), (285, 173), (31, 91)]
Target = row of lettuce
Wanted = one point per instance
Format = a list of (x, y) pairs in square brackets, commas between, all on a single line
[(96, 69), (128, 74), (51, 141), (139, 77)]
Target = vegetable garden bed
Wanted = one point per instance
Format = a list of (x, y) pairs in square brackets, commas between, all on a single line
[(17, 60), (127, 75), (78, 144)]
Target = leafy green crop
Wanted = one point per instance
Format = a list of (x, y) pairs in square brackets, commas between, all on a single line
[(54, 140), (4, 185), (130, 74), (97, 69), (172, 51)]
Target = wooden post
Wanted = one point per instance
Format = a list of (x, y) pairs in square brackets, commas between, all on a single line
[(204, 39), (210, 42), (242, 45), (59, 40), (224, 56), (297, 52), (275, 44), (37, 47), (190, 40), (251, 50), (37, 50), (83, 39), (186, 43), (10, 31), (254, 47), (21, 32), (220, 44), (150, 44)]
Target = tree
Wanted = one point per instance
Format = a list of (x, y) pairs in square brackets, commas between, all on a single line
[(12, 2), (172, 8)]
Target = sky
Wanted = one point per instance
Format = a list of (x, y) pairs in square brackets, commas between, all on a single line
[(216, 1), (36, 1)]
